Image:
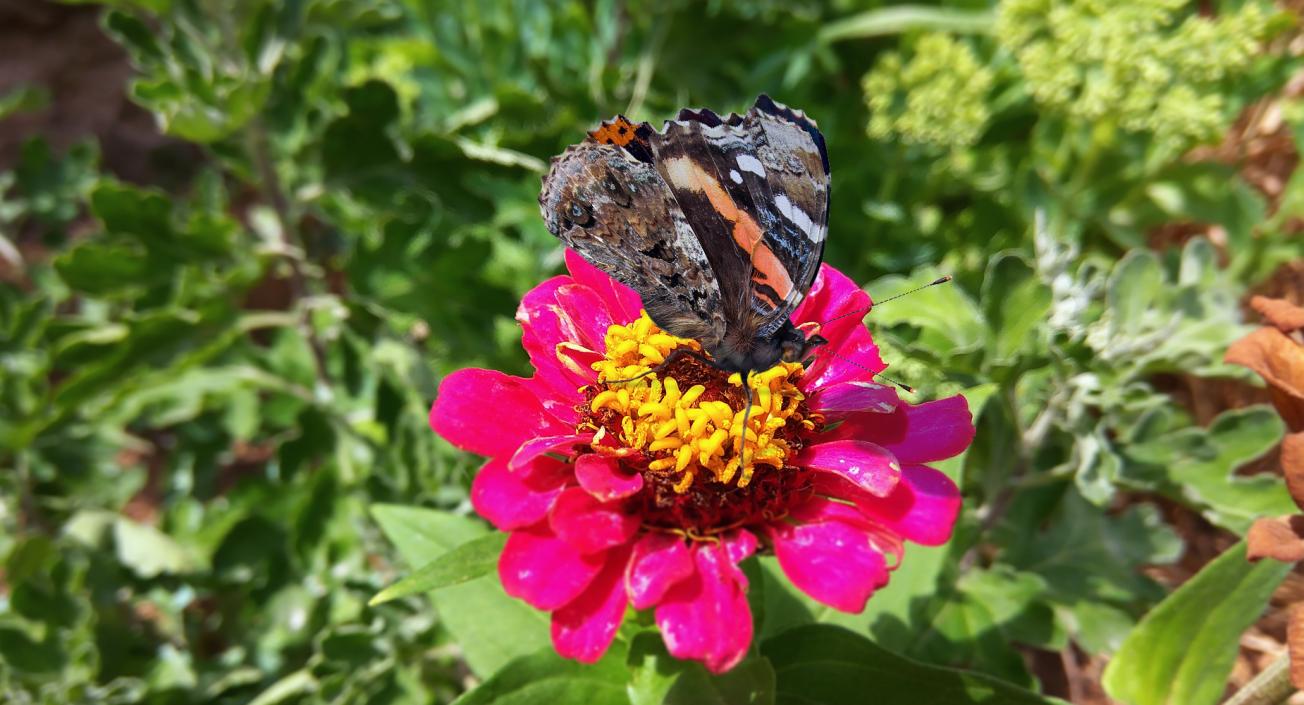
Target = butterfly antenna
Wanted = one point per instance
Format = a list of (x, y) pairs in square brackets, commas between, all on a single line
[(862, 312), (935, 282), (877, 375)]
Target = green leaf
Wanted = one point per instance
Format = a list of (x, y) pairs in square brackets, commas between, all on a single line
[(1116, 546), (657, 678), (652, 670), (751, 682), (100, 268), (1198, 466), (471, 560), (908, 18), (287, 689), (950, 322), (148, 551), (146, 217), (1183, 651), (1136, 283), (491, 627), (827, 665), (1015, 303), (545, 677), (979, 621), (23, 98)]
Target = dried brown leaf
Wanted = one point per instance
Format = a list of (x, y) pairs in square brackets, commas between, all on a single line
[(1278, 538), (1280, 362), (1292, 466), (1281, 313)]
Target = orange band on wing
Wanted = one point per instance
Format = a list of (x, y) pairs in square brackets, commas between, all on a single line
[(768, 269)]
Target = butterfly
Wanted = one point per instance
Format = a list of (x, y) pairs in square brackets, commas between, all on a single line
[(717, 222)]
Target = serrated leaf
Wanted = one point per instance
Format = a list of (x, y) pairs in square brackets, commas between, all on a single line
[(657, 678), (473, 559), (1115, 546), (1184, 649), (1199, 466)]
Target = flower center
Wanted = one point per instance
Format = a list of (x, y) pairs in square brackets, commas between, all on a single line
[(682, 427)]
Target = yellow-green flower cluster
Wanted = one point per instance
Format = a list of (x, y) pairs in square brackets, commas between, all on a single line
[(1150, 65), (936, 97)]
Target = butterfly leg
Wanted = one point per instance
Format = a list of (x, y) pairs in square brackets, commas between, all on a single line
[(742, 434)]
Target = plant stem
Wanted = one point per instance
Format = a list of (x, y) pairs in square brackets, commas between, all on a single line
[(260, 149), (1270, 687)]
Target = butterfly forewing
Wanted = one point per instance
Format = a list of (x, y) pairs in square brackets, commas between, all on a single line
[(615, 211)]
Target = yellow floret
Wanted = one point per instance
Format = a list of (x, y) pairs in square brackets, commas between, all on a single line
[(689, 437)]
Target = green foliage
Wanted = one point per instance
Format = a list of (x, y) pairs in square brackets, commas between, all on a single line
[(938, 97), (1183, 650), (468, 561), (1153, 66), (214, 451), (822, 664)]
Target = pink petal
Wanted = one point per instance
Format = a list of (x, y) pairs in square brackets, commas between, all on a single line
[(605, 479), (577, 361), (585, 628), (851, 357), (659, 562), (839, 306), (588, 313), (868, 466), (545, 571), (706, 617), (588, 524), (513, 500), (838, 400), (922, 433), (544, 327), (922, 508), (738, 545), (623, 302), (833, 295), (536, 447), (490, 413), (830, 556)]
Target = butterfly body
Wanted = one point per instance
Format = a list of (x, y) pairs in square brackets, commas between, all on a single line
[(718, 223)]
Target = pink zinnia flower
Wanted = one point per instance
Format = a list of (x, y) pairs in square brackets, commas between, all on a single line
[(632, 493)]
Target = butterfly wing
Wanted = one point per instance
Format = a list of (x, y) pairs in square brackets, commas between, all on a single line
[(792, 152), (606, 201), (754, 188)]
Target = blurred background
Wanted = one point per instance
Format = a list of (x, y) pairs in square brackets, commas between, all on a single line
[(241, 240)]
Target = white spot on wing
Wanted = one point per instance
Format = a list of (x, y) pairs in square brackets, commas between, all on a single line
[(795, 215), (747, 162), (737, 178)]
